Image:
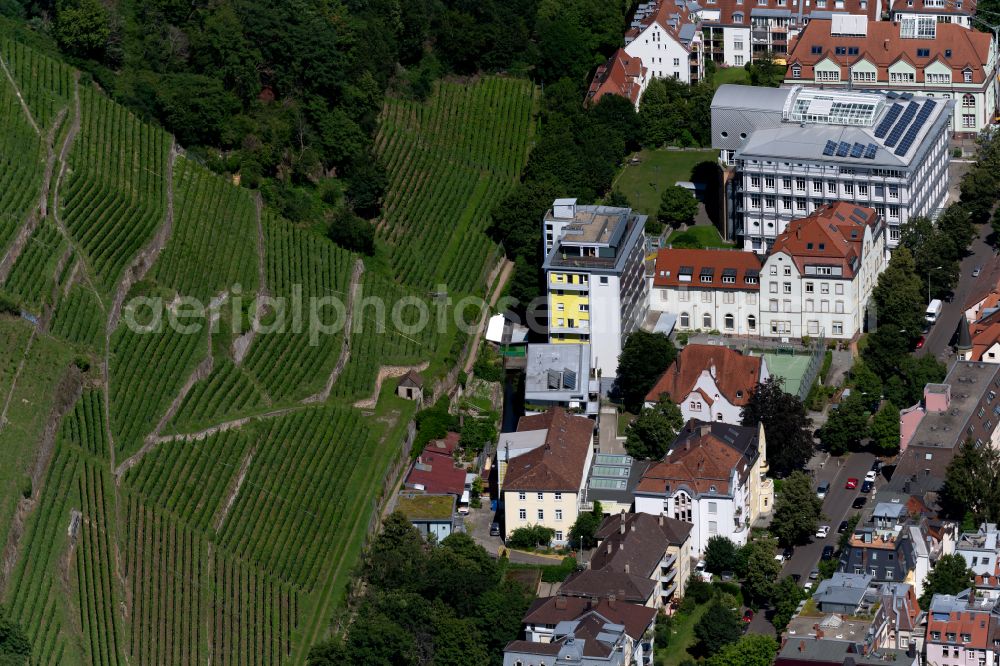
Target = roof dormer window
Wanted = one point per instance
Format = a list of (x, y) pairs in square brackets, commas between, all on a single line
[(967, 73), (817, 49)]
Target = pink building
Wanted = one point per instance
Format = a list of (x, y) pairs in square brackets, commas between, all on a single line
[(937, 398)]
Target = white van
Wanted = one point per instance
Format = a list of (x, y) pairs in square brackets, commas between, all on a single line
[(933, 311)]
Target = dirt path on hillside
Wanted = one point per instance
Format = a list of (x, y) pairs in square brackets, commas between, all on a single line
[(345, 348), (143, 261), (242, 344), (20, 97), (507, 268), (235, 490), (387, 372)]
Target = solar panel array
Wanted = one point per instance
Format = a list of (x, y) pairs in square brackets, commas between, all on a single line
[(897, 131), (870, 151), (843, 149), (831, 147), (890, 117), (857, 150), (918, 122)]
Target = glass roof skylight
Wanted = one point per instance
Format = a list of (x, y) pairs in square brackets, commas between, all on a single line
[(814, 106)]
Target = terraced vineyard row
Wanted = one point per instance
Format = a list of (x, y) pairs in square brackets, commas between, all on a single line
[(22, 164), (225, 393), (31, 279), (449, 161), (37, 589), (214, 226), (189, 479), (85, 425), (116, 194), (306, 483), (45, 83), (300, 265), (192, 604), (79, 318), (147, 371)]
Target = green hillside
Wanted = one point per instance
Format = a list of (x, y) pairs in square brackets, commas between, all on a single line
[(201, 497)]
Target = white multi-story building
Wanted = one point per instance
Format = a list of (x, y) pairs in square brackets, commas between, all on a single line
[(595, 278), (710, 383), (959, 12), (917, 55), (714, 477), (708, 289), (666, 36), (790, 151), (820, 273)]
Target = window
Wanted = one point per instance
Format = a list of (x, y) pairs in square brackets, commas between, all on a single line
[(540, 496), (755, 201), (788, 270), (831, 186), (786, 305), (558, 515), (522, 514), (893, 192), (729, 298), (800, 204), (867, 77), (786, 288), (730, 322), (822, 75), (786, 182), (769, 202), (713, 527), (786, 203), (931, 77), (968, 101), (685, 320), (818, 186), (902, 77), (800, 184), (706, 320), (684, 296), (713, 507), (863, 189), (755, 182), (849, 189), (773, 287), (541, 514), (738, 60), (967, 75), (706, 297), (838, 328), (752, 323), (810, 305), (816, 49), (558, 497), (520, 495), (559, 535), (838, 289), (894, 212), (677, 62), (809, 287), (738, 46), (769, 182), (838, 307), (773, 305), (968, 120)]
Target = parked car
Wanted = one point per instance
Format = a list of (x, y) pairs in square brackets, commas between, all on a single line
[(788, 552), (823, 531), (976, 271), (851, 484), (842, 527), (814, 574), (822, 489), (827, 552), (494, 529), (867, 486), (808, 586), (871, 476), (780, 557), (920, 342), (796, 577), (877, 465), (859, 502), (748, 616), (727, 576)]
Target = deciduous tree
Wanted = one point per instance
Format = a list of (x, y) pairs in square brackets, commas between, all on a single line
[(717, 628), (846, 426), (677, 206), (950, 575), (885, 430), (651, 433), (972, 484), (797, 510), (762, 571), (749, 650), (786, 426), (721, 554), (643, 359), (586, 526)]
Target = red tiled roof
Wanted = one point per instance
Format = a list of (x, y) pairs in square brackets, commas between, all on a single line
[(883, 47), (558, 464), (446, 445), (698, 460), (976, 624), (986, 286), (621, 75), (670, 262), (437, 473), (826, 235), (553, 610), (985, 333), (735, 375)]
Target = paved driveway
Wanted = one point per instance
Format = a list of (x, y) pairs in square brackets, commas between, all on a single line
[(941, 333)]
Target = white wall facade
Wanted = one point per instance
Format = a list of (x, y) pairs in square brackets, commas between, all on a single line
[(796, 305), (736, 45), (720, 410), (663, 56), (721, 305)]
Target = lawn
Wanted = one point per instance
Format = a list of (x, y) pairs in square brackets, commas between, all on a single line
[(643, 183), (681, 637), (700, 236), (730, 75)]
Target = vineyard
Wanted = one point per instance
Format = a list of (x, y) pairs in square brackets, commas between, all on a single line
[(202, 497), (450, 160), (116, 194)]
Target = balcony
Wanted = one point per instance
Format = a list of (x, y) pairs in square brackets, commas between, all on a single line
[(568, 286), (669, 577), (670, 561), (580, 327)]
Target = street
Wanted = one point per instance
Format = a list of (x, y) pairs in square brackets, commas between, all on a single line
[(941, 333), (836, 507)]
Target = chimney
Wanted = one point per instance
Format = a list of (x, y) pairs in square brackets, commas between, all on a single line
[(611, 601), (610, 546), (802, 646), (661, 520), (621, 523), (621, 546), (885, 44), (632, 527), (561, 602), (705, 429), (627, 569), (911, 650)]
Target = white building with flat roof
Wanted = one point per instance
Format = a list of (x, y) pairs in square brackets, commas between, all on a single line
[(790, 151)]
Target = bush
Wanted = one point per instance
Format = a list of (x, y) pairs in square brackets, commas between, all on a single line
[(698, 590), (9, 306), (531, 536)]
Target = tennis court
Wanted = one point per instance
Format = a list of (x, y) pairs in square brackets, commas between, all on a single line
[(790, 367)]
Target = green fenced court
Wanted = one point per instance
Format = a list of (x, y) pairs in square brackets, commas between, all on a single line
[(790, 367)]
